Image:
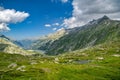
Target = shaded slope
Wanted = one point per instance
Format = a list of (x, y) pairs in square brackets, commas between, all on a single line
[(95, 32)]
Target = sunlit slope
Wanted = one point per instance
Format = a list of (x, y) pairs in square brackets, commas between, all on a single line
[(101, 62), (94, 33), (6, 45)]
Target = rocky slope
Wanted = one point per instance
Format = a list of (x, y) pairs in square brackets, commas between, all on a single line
[(43, 42), (6, 45), (94, 33)]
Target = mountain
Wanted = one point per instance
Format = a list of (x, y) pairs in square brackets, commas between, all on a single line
[(94, 33), (43, 42), (40, 43), (7, 46), (26, 44), (18, 43), (3, 36), (101, 62), (90, 52)]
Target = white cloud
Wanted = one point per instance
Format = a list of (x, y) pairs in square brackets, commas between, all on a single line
[(60, 29), (8, 16), (72, 22), (47, 25), (86, 10), (64, 1), (54, 29), (56, 1), (50, 25), (3, 27), (56, 24)]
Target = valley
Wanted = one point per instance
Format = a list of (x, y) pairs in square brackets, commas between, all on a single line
[(90, 52), (103, 63)]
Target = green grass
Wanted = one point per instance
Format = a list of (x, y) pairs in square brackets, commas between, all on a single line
[(46, 68)]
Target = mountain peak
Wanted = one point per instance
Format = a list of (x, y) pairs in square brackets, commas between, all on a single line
[(98, 20), (3, 36), (105, 17)]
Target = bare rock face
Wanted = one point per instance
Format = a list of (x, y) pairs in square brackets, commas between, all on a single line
[(21, 68), (12, 65), (7, 46)]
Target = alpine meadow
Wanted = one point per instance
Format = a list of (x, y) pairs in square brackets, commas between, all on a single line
[(59, 39)]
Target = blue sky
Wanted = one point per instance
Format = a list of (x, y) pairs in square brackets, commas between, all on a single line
[(41, 12), (34, 18)]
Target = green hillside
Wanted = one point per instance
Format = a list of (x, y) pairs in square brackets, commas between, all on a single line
[(100, 62), (94, 33)]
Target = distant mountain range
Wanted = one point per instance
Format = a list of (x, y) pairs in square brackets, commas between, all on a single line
[(66, 40), (40, 43), (8, 46), (26, 44), (43, 42)]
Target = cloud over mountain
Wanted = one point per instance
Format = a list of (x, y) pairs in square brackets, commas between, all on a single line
[(85, 10), (8, 16)]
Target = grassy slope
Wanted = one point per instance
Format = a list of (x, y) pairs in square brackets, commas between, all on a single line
[(47, 68), (94, 34)]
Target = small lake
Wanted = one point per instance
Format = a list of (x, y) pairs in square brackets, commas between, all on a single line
[(82, 61)]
